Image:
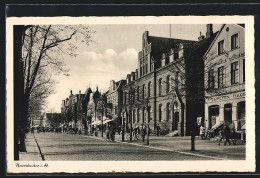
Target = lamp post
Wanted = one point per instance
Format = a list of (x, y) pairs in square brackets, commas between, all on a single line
[(123, 126), (148, 120)]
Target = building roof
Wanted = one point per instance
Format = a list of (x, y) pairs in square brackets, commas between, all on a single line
[(164, 45)]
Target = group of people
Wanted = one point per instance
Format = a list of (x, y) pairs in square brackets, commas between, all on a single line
[(225, 134)]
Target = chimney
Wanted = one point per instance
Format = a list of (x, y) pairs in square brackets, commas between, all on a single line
[(209, 32), (70, 92), (79, 91), (201, 37)]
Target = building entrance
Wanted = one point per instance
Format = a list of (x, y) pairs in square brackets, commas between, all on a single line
[(175, 121), (228, 113), (213, 113)]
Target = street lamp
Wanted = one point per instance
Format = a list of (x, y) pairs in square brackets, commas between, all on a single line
[(123, 125), (148, 120)]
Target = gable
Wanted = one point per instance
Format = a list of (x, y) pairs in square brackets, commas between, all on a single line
[(225, 35)]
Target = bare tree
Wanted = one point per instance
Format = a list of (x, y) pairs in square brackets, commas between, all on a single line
[(42, 49)]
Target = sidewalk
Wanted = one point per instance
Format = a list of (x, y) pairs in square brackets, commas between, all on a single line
[(33, 153), (207, 148)]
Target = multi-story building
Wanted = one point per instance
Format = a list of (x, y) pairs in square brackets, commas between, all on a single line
[(72, 110), (225, 78), (114, 98), (167, 87)]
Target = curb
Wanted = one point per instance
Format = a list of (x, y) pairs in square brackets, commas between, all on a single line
[(42, 156)]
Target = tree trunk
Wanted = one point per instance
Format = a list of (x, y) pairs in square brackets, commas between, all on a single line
[(18, 88)]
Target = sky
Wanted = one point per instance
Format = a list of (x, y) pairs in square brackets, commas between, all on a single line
[(112, 56)]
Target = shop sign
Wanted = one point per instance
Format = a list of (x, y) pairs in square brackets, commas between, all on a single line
[(225, 97)]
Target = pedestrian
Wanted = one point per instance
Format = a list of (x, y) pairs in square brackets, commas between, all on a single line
[(80, 131), (227, 135), (201, 132), (107, 133), (221, 135), (143, 132), (158, 130)]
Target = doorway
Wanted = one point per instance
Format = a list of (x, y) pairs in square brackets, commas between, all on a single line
[(176, 121), (228, 113)]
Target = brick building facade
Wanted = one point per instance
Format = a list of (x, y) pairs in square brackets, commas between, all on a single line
[(163, 91)]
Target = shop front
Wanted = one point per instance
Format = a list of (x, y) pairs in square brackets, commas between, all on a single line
[(225, 109)]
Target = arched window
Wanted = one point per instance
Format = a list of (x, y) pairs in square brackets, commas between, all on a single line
[(177, 77), (168, 112), (149, 90), (160, 112), (160, 86), (168, 84)]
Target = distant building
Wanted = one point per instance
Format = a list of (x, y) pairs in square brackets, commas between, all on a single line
[(167, 88), (72, 110), (115, 100), (225, 78)]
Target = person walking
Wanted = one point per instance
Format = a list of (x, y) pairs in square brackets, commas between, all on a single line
[(221, 135), (227, 135), (143, 131), (158, 130)]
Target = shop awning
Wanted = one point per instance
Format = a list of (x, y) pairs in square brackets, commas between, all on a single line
[(243, 127), (216, 126)]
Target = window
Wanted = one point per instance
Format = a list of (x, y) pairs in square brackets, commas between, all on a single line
[(244, 74), (234, 73), (143, 115), (177, 80), (160, 113), (138, 115), (133, 116), (221, 47), (137, 92), (149, 86), (115, 109), (176, 55), (234, 41), (167, 84), (143, 91), (221, 77), (168, 112), (211, 79), (134, 95), (160, 86)]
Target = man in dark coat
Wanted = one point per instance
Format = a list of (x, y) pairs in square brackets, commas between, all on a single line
[(227, 135)]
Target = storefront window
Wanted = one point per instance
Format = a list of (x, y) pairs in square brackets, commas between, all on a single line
[(241, 114), (213, 114)]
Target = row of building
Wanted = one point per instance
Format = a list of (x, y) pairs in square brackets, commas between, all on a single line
[(178, 83)]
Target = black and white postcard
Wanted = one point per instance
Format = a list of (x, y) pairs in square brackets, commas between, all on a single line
[(130, 94)]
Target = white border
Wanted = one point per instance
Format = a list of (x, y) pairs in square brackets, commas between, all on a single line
[(138, 166)]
